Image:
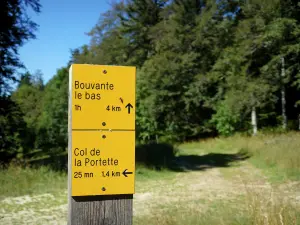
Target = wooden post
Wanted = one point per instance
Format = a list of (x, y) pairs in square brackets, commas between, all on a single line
[(100, 210), (115, 209)]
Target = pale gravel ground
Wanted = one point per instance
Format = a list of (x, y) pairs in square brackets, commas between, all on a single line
[(193, 189), (39, 209)]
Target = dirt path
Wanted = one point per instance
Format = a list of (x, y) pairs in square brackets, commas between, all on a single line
[(194, 189)]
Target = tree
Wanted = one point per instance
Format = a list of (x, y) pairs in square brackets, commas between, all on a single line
[(37, 79), (53, 123), (16, 29), (139, 17), (29, 97), (165, 77), (108, 45), (13, 131)]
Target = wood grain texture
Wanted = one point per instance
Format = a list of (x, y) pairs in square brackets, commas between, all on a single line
[(101, 210)]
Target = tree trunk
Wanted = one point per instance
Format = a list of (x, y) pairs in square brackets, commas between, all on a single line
[(299, 122), (283, 100), (156, 135), (254, 120)]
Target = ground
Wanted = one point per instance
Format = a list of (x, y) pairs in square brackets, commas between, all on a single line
[(195, 192), (205, 193)]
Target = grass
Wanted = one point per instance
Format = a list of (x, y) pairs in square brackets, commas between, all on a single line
[(170, 197), (278, 155), (143, 174), (17, 181), (253, 206), (252, 209)]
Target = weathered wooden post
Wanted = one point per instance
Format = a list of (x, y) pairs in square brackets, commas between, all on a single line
[(101, 156)]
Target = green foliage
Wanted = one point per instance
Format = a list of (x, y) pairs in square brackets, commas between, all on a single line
[(13, 135), (29, 97), (226, 120), (53, 125), (16, 29), (138, 18), (202, 66)]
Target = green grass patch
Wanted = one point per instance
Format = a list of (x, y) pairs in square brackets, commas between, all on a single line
[(144, 173), (17, 181), (278, 155)]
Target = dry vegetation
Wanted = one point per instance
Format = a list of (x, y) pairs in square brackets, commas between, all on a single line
[(263, 189)]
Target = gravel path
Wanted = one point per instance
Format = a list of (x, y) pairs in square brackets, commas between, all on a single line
[(194, 190)]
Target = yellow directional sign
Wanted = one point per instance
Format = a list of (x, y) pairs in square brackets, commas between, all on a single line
[(102, 124), (103, 97), (102, 163)]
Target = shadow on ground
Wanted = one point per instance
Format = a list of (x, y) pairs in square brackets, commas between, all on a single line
[(159, 156)]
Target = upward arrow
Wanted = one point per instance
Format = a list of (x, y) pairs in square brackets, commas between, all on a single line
[(128, 106)]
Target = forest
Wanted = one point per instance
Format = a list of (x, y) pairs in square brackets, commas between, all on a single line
[(205, 68)]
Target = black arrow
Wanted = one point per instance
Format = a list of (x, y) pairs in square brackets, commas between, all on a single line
[(125, 173), (128, 106)]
